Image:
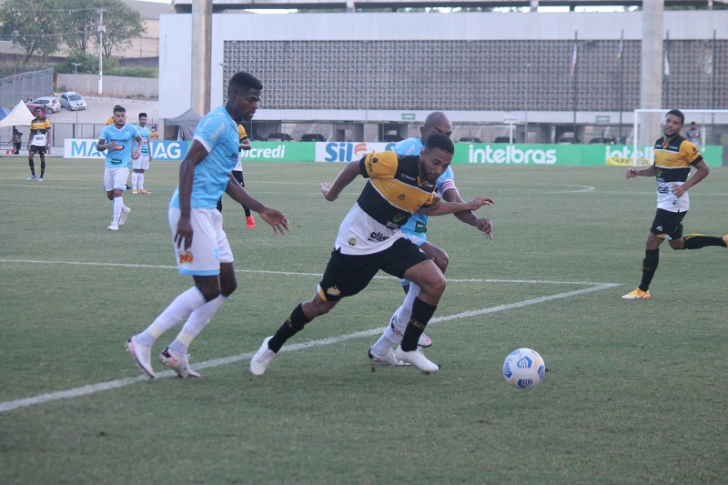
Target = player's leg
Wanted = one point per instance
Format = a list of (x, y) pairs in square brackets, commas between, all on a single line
[(42, 165), (142, 170), (135, 180), (31, 152), (201, 262), (238, 175), (697, 241), (665, 225), (344, 276)]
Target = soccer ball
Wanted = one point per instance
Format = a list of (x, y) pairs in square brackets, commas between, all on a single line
[(524, 368)]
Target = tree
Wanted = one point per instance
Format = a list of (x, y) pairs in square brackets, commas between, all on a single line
[(79, 21), (31, 25), (122, 24)]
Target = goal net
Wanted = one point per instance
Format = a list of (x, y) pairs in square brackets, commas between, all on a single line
[(707, 128)]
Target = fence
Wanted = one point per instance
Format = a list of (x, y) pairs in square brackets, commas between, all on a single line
[(27, 84)]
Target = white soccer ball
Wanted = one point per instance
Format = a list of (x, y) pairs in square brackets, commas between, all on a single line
[(524, 368)]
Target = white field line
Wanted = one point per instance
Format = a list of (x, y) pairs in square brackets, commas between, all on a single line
[(115, 384), (289, 273)]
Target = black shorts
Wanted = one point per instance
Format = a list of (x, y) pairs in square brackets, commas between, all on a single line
[(668, 224), (347, 275), (238, 175), (38, 150)]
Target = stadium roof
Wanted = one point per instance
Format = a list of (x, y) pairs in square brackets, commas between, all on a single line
[(218, 6)]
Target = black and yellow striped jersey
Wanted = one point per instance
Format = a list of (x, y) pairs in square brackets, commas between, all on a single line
[(674, 159), (40, 126), (395, 190)]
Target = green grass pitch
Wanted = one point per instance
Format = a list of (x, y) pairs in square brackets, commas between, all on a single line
[(634, 392)]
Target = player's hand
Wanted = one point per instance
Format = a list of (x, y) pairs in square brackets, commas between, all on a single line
[(326, 189), (183, 236), (631, 173), (479, 202), (485, 225), (276, 219), (678, 190)]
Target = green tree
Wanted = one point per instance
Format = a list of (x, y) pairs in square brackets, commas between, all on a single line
[(79, 21), (33, 26), (122, 24)]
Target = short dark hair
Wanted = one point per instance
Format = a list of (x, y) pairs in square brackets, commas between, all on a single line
[(242, 82), (678, 113), (119, 109), (142, 114), (441, 141)]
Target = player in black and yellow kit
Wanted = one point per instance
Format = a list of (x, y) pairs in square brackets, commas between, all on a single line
[(370, 239), (674, 158), (39, 141)]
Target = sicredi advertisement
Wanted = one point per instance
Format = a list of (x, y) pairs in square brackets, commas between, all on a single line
[(475, 153)]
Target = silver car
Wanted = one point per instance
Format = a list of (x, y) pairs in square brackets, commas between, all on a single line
[(50, 103), (72, 101)]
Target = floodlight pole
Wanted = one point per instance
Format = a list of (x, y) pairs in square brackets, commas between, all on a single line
[(101, 29)]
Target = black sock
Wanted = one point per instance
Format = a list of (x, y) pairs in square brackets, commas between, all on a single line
[(32, 168), (42, 168), (294, 324), (247, 211), (421, 314), (649, 266), (697, 241)]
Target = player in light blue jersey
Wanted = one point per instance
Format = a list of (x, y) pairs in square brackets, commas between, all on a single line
[(141, 163), (415, 230), (201, 246), (118, 139)]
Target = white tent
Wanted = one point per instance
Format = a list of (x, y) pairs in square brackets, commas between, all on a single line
[(19, 116)]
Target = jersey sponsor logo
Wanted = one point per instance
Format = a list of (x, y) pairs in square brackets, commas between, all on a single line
[(377, 237), (399, 217), (400, 196), (352, 241), (333, 291), (186, 257)]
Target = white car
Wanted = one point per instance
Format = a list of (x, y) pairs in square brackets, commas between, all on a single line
[(72, 101), (50, 103)]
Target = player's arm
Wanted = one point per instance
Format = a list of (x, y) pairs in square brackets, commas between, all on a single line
[(136, 153), (101, 145), (441, 207), (195, 155), (644, 172), (351, 171), (483, 224), (48, 135), (245, 144), (702, 171), (276, 219)]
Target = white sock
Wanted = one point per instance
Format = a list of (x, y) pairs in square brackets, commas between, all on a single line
[(403, 313), (195, 324), (118, 206), (387, 341), (134, 180), (178, 310), (140, 180)]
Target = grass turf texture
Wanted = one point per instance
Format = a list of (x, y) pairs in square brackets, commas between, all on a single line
[(634, 391)]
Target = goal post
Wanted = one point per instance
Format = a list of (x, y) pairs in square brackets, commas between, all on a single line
[(712, 126)]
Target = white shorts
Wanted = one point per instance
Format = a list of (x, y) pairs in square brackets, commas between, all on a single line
[(210, 246), (115, 178), (141, 163)]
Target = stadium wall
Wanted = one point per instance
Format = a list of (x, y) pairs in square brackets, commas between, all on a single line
[(479, 67)]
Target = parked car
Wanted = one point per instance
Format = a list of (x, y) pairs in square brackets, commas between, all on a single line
[(72, 101), (32, 105), (279, 137), (470, 139), (50, 103), (313, 137), (568, 140), (604, 140)]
